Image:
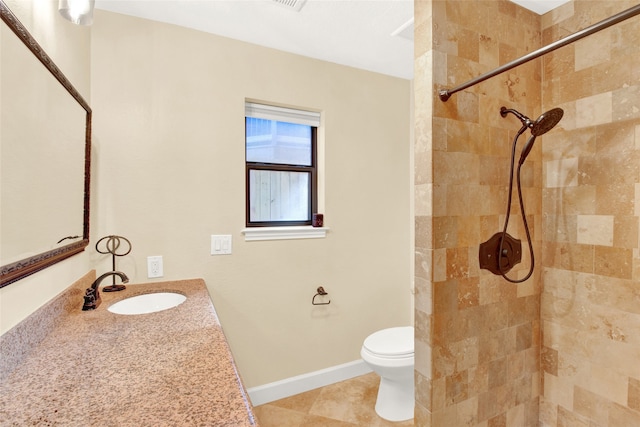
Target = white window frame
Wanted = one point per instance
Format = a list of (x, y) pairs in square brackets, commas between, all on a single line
[(268, 111)]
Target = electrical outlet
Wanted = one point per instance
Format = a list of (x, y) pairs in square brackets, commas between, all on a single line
[(154, 266)]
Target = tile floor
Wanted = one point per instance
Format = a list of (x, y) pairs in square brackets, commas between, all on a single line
[(348, 403)]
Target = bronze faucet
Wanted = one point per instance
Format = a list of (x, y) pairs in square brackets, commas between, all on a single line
[(92, 295)]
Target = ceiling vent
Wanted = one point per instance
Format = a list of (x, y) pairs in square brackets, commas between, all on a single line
[(295, 5), (405, 30)]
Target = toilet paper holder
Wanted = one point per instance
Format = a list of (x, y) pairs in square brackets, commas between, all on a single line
[(320, 292)]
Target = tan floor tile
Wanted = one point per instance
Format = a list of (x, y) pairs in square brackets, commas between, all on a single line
[(273, 416), (300, 402), (316, 421), (349, 403)]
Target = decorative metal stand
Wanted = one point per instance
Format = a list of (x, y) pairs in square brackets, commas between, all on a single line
[(112, 244)]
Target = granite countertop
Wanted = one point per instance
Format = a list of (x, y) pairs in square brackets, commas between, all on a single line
[(96, 368)]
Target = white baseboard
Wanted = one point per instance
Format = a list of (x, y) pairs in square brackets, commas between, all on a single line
[(299, 384)]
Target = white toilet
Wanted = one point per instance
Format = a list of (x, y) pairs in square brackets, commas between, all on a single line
[(389, 352)]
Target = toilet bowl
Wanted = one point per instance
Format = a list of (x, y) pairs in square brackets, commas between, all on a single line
[(389, 352)]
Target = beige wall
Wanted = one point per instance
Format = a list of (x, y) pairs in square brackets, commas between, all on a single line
[(168, 130), (68, 45), (560, 349), (591, 201)]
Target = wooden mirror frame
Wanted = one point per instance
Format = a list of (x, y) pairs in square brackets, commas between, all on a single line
[(20, 269)]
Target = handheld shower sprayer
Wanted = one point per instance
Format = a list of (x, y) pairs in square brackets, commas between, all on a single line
[(542, 125), (526, 149), (500, 260)]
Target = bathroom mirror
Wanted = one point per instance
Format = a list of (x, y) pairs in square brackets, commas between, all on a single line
[(45, 146)]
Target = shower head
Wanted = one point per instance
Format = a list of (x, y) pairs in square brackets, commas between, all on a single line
[(546, 121), (542, 125)]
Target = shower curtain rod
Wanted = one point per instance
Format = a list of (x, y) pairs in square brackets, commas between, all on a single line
[(445, 94)]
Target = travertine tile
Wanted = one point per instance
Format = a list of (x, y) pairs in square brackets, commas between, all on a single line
[(594, 50), (634, 394), (568, 256), (423, 197), (595, 230), (423, 359), (582, 196), (615, 199), (625, 232), (445, 296), (613, 262), (457, 263), (594, 110), (515, 365), (620, 415), (558, 391), (488, 51), (548, 413), (349, 403), (498, 421), (445, 232), (439, 265), (444, 417), (625, 103), (423, 225), (467, 355), (467, 412), (591, 405), (561, 173), (468, 293), (300, 402), (498, 373), (607, 383), (423, 391), (272, 415), (549, 358), (567, 418), (479, 378), (516, 416), (439, 396), (524, 337), (457, 387)]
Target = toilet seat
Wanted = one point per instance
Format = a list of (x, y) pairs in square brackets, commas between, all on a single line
[(392, 343)]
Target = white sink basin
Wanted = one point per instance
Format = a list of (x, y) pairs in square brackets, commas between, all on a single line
[(147, 303)]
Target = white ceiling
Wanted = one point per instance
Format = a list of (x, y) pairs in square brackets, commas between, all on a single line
[(540, 6), (374, 35)]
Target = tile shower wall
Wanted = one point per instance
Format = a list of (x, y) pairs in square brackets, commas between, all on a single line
[(478, 336), (591, 203), (562, 348)]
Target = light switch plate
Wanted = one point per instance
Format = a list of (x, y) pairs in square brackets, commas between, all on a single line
[(221, 244)]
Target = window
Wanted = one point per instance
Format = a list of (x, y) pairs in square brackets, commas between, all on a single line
[(281, 165)]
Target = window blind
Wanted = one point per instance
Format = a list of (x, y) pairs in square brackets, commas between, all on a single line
[(282, 114)]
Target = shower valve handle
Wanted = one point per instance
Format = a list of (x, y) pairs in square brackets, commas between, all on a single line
[(498, 262)]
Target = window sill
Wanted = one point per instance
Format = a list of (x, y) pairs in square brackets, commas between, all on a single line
[(284, 233)]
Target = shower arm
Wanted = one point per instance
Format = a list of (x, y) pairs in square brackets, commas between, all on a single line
[(445, 94)]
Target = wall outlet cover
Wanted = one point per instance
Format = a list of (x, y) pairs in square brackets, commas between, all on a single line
[(154, 267)]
